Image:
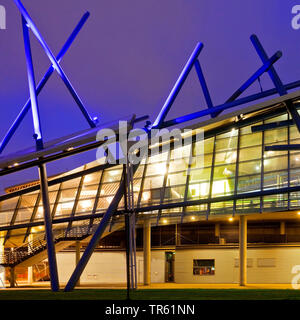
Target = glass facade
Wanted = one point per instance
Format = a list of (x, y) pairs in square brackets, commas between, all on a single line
[(234, 163)]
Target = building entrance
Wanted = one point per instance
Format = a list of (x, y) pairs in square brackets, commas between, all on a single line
[(170, 258)]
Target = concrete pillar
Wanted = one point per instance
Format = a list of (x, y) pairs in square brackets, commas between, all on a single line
[(77, 257), (2, 269), (30, 269), (217, 231), (12, 279), (147, 251), (178, 234), (282, 227), (243, 250)]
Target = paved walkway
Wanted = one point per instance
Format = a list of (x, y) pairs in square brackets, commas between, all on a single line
[(46, 285)]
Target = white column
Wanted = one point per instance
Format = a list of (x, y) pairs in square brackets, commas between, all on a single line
[(77, 257), (30, 269), (282, 227), (243, 250), (2, 269), (147, 252)]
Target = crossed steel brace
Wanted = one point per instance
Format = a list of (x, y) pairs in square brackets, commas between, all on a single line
[(32, 102)]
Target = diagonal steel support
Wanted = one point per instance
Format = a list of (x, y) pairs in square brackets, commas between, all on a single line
[(212, 111), (100, 229), (56, 66), (31, 81), (42, 168), (204, 86), (267, 65), (276, 80), (42, 83), (178, 85)]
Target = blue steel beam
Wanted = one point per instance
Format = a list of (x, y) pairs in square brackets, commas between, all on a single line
[(31, 83), (54, 62), (42, 83), (226, 106), (178, 85), (267, 64), (100, 229), (204, 86), (48, 228), (284, 147), (272, 125), (276, 80), (42, 168), (232, 102), (96, 237)]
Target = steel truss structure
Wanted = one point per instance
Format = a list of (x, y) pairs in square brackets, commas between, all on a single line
[(285, 105)]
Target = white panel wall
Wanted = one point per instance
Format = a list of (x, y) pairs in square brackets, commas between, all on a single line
[(110, 267), (227, 272)]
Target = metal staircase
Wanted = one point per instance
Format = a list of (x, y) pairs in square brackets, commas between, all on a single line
[(39, 244)]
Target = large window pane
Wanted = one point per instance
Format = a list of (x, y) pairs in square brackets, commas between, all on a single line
[(250, 167), (225, 157), (247, 129), (226, 143), (276, 163), (275, 202), (252, 139), (276, 180), (176, 178), (249, 183), (200, 175), (250, 153), (223, 172), (178, 165), (198, 190), (250, 205), (223, 187), (276, 135)]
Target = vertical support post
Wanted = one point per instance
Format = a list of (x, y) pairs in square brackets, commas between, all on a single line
[(217, 232), (283, 236), (2, 260), (147, 251), (282, 227), (30, 269), (12, 279), (243, 249), (178, 234), (77, 257), (127, 234), (48, 228)]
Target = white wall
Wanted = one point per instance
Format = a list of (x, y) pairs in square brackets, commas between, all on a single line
[(281, 260), (110, 267)]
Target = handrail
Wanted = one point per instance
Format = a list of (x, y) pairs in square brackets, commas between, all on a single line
[(32, 247)]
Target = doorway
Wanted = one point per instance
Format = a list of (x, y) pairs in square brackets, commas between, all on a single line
[(169, 272)]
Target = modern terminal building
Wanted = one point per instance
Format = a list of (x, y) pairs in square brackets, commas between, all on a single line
[(232, 217)]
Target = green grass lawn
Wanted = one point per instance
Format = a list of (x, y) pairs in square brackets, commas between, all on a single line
[(153, 294)]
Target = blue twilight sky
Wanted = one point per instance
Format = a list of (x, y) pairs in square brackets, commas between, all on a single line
[(130, 53)]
